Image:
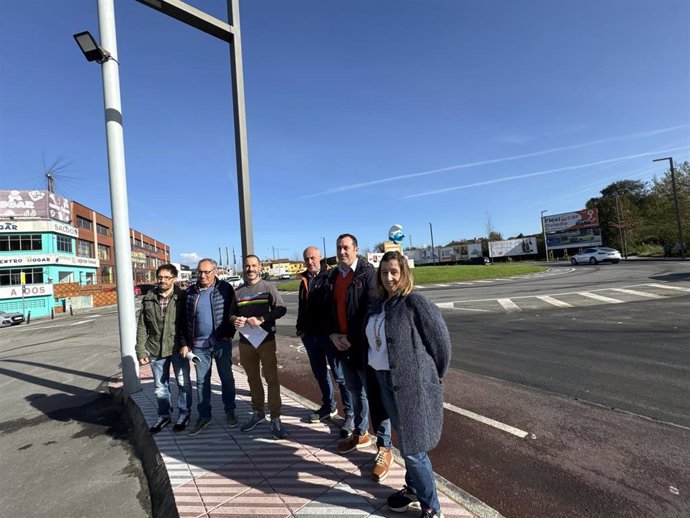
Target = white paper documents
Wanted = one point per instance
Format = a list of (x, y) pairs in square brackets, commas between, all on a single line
[(255, 335)]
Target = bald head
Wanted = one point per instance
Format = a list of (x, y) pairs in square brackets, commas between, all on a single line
[(312, 259)]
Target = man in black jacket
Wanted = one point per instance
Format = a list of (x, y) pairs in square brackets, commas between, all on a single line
[(313, 315), (352, 288)]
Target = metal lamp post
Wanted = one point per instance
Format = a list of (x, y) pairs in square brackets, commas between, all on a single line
[(118, 185), (681, 243), (543, 229)]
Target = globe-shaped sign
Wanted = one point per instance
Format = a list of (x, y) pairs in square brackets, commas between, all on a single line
[(395, 234)]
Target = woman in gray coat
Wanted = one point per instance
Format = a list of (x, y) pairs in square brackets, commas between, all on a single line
[(409, 350)]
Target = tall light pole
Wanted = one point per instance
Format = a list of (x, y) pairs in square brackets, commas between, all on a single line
[(543, 229), (433, 251), (230, 33), (118, 186), (681, 243)]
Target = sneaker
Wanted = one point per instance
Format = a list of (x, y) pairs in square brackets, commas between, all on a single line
[(354, 442), (323, 413), (257, 418), (278, 430), (382, 464), (200, 424), (348, 427), (181, 423), (160, 424), (430, 513), (232, 419), (403, 500)]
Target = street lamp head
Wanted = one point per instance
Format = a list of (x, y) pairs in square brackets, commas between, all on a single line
[(90, 49)]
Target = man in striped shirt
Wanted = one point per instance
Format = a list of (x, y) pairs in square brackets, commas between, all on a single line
[(258, 307)]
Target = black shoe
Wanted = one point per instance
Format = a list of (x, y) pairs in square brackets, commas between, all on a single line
[(160, 424), (200, 424), (402, 500), (348, 427), (181, 423), (323, 413)]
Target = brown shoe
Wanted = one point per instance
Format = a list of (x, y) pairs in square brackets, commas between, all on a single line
[(354, 442), (382, 464)]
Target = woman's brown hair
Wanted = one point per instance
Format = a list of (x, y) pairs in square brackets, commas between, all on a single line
[(406, 284)]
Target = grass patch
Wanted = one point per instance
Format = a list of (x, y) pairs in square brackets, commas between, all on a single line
[(456, 273)]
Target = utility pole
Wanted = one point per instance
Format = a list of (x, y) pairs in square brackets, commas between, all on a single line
[(433, 251), (325, 255), (681, 243), (543, 229), (621, 232)]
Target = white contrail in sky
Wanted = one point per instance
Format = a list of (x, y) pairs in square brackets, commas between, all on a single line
[(360, 185), (540, 173)]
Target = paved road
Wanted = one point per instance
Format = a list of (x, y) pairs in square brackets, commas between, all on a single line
[(65, 447), (598, 388)]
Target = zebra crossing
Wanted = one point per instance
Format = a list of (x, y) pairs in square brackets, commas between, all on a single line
[(570, 299)]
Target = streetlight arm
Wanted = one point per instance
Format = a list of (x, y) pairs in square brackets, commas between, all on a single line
[(194, 17)]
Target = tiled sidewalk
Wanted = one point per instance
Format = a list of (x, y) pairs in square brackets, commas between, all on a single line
[(223, 472)]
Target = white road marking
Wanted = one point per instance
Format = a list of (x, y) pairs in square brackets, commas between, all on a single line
[(80, 322), (445, 305), (600, 298), (687, 290), (509, 305), (554, 302), (485, 420), (442, 285), (639, 293)]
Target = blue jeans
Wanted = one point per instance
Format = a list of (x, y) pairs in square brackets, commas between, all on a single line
[(221, 351), (419, 475), (356, 382), (160, 367), (321, 352)]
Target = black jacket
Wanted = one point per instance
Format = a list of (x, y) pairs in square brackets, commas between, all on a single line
[(360, 295), (313, 313)]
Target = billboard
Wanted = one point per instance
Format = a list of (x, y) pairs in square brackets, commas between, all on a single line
[(524, 246), (574, 239), (586, 218), (34, 205)]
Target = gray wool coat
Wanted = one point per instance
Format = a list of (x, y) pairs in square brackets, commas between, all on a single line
[(419, 352)]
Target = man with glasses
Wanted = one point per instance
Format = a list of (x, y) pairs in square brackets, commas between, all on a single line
[(210, 303), (159, 339)]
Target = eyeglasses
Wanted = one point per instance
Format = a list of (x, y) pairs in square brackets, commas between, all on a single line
[(164, 277), (206, 272)]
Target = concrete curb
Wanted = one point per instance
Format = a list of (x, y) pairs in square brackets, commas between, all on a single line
[(162, 499)]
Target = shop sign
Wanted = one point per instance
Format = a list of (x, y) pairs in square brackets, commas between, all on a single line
[(29, 290)]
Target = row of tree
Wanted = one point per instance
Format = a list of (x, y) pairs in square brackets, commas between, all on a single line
[(636, 215)]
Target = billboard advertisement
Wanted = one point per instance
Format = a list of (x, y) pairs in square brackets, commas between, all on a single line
[(34, 205), (574, 239), (509, 247), (567, 221)]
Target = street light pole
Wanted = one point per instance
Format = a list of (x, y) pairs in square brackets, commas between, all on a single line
[(543, 229), (118, 198), (433, 252), (230, 33), (681, 243)]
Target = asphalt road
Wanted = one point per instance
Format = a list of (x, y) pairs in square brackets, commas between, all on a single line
[(65, 447), (598, 384)]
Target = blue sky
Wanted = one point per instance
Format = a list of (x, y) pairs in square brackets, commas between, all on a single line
[(360, 114)]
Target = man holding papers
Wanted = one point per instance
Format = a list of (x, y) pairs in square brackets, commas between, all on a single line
[(259, 305)]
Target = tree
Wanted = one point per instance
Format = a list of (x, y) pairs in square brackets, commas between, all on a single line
[(491, 233)]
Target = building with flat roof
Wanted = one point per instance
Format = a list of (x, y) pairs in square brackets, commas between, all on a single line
[(47, 240)]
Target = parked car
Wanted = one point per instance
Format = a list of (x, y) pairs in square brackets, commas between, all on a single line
[(10, 319), (284, 276), (595, 255), (235, 281), (143, 288)]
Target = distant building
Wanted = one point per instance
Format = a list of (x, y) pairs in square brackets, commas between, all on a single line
[(46, 240)]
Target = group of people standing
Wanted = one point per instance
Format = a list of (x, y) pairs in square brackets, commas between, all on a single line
[(199, 324), (387, 347)]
